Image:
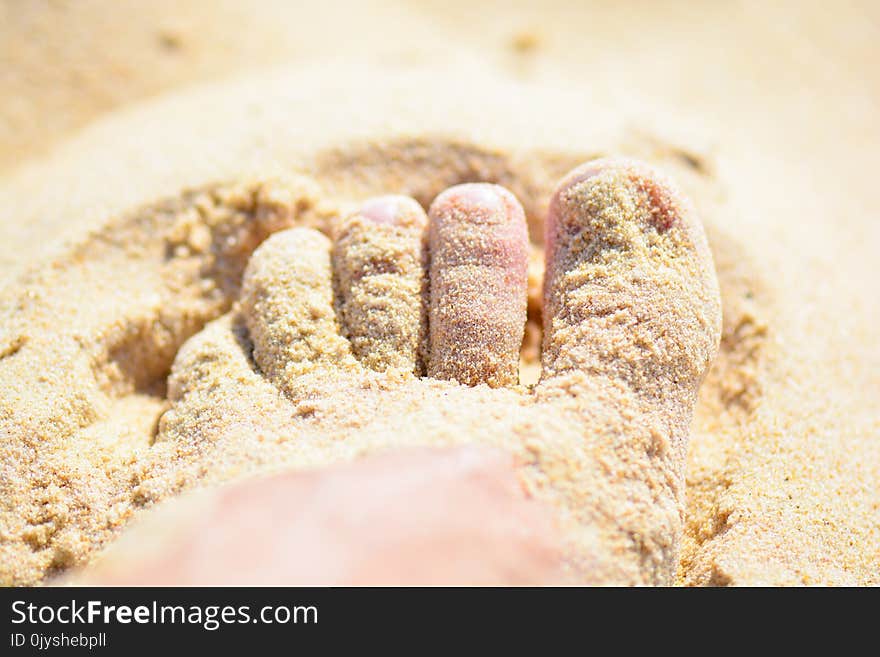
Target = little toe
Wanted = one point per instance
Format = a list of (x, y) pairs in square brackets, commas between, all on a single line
[(479, 257), (287, 302), (630, 291), (379, 259)]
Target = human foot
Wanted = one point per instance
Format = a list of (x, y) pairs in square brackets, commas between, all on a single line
[(303, 374)]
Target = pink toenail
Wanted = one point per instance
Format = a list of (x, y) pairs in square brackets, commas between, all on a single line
[(382, 210), (479, 195), (393, 210), (481, 203)]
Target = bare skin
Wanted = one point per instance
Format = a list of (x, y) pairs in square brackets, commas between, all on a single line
[(435, 525), (330, 343)]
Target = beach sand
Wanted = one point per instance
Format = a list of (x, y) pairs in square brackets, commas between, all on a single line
[(130, 236)]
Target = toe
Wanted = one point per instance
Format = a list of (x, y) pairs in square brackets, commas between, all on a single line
[(630, 291), (287, 301), (479, 252), (379, 262)]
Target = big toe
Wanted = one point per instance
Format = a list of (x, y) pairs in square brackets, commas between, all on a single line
[(630, 292)]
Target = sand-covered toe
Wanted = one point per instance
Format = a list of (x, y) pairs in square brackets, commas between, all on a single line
[(630, 291)]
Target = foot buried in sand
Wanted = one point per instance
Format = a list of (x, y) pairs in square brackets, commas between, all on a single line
[(325, 357)]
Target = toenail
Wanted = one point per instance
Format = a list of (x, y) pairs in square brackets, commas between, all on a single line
[(480, 195), (382, 210), (485, 203), (391, 210)]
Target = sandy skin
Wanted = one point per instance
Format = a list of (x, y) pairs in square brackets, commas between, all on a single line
[(631, 324)]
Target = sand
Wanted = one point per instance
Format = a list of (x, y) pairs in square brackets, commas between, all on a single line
[(783, 456)]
